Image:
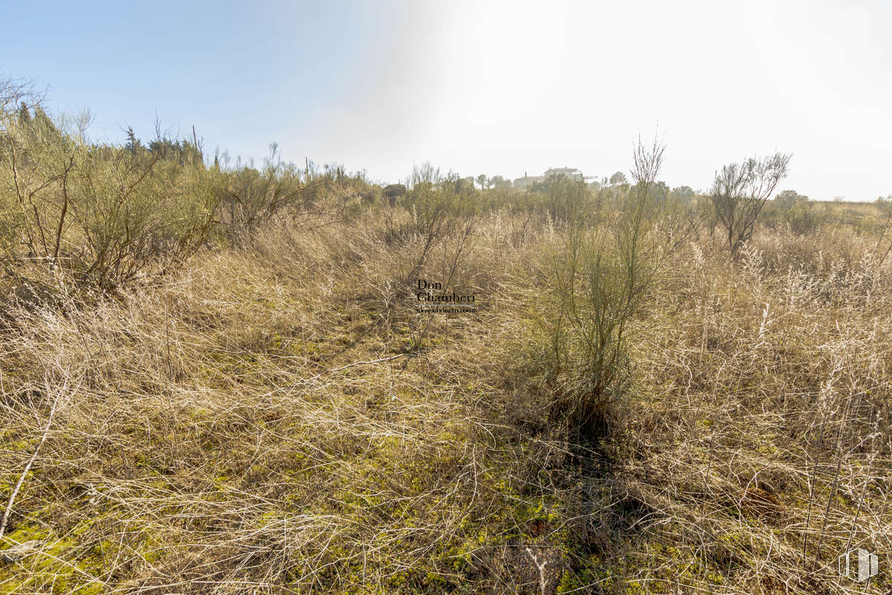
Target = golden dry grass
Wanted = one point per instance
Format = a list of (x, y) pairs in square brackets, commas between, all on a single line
[(280, 419)]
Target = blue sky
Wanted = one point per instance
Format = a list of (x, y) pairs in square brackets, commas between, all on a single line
[(496, 87), (242, 74)]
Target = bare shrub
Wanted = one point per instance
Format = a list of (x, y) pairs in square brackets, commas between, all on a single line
[(440, 207), (565, 199), (740, 192), (252, 197), (104, 213)]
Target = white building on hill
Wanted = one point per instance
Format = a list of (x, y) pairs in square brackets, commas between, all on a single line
[(570, 172), (527, 181)]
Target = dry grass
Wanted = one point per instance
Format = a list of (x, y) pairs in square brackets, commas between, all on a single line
[(280, 419)]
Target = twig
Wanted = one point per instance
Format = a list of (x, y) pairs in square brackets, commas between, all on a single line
[(18, 485), (543, 583), (835, 483), (374, 361)]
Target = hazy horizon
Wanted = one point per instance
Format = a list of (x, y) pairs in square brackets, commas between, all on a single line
[(496, 88)]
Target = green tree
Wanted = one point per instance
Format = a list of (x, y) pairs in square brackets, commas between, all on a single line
[(684, 194), (132, 145), (498, 182), (618, 178), (24, 113)]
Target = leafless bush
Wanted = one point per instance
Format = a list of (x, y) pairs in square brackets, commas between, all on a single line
[(103, 213), (740, 192), (252, 197)]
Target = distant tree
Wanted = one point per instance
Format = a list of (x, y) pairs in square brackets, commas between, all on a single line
[(132, 145), (458, 184), (393, 192), (164, 146), (564, 197), (498, 182), (683, 193), (657, 192), (789, 198), (175, 150), (740, 192), (24, 113), (481, 179), (44, 120), (618, 178)]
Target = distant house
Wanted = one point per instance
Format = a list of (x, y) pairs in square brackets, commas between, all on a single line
[(570, 172)]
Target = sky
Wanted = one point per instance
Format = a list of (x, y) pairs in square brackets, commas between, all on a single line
[(482, 87)]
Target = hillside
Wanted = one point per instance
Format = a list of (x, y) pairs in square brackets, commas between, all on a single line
[(221, 380), (281, 418)]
